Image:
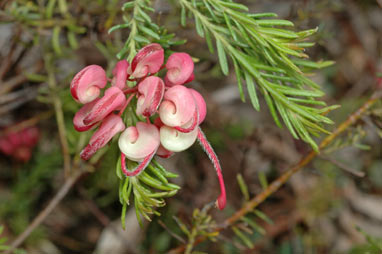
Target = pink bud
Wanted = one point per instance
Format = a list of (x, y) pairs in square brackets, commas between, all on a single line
[(78, 120), (176, 141), (151, 91), (86, 85), (114, 99), (148, 60), (201, 104), (110, 126), (178, 107), (120, 74), (139, 142), (180, 69)]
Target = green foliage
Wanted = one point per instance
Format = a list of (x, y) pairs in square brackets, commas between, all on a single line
[(269, 58), (54, 17), (142, 30)]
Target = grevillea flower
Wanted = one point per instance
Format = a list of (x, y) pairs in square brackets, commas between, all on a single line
[(151, 91), (86, 85), (114, 99), (180, 69), (110, 126), (148, 60), (181, 110), (120, 74)]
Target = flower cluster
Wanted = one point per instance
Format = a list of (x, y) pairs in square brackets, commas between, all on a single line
[(19, 144), (172, 111)]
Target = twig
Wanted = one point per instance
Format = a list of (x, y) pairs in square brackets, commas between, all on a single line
[(44, 213), (59, 114), (176, 236), (343, 166), (275, 185)]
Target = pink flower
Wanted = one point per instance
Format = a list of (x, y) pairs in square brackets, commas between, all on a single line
[(114, 99), (110, 126), (148, 60), (151, 91), (85, 86), (120, 74), (180, 69)]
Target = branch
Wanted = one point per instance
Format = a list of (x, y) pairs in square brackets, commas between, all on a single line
[(275, 185)]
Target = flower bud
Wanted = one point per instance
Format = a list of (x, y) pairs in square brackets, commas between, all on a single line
[(110, 126), (180, 69), (113, 99), (78, 120), (176, 141), (151, 91), (85, 86), (120, 74), (148, 60), (178, 107), (138, 142), (200, 103)]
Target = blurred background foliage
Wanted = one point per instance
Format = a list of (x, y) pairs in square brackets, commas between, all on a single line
[(326, 208)]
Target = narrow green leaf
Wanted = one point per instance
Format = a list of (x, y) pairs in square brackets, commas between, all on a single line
[(243, 186), (141, 39), (56, 40), (282, 33), (271, 107), (238, 78), (209, 42), (183, 16), (181, 225), (262, 15), (199, 27), (116, 27), (313, 65), (144, 15), (222, 57), (234, 5), (50, 9), (263, 216), (263, 179), (307, 33), (72, 40), (274, 22), (254, 225), (252, 91), (128, 5), (118, 167), (228, 22), (123, 216), (63, 7), (242, 237), (158, 174), (149, 32)]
